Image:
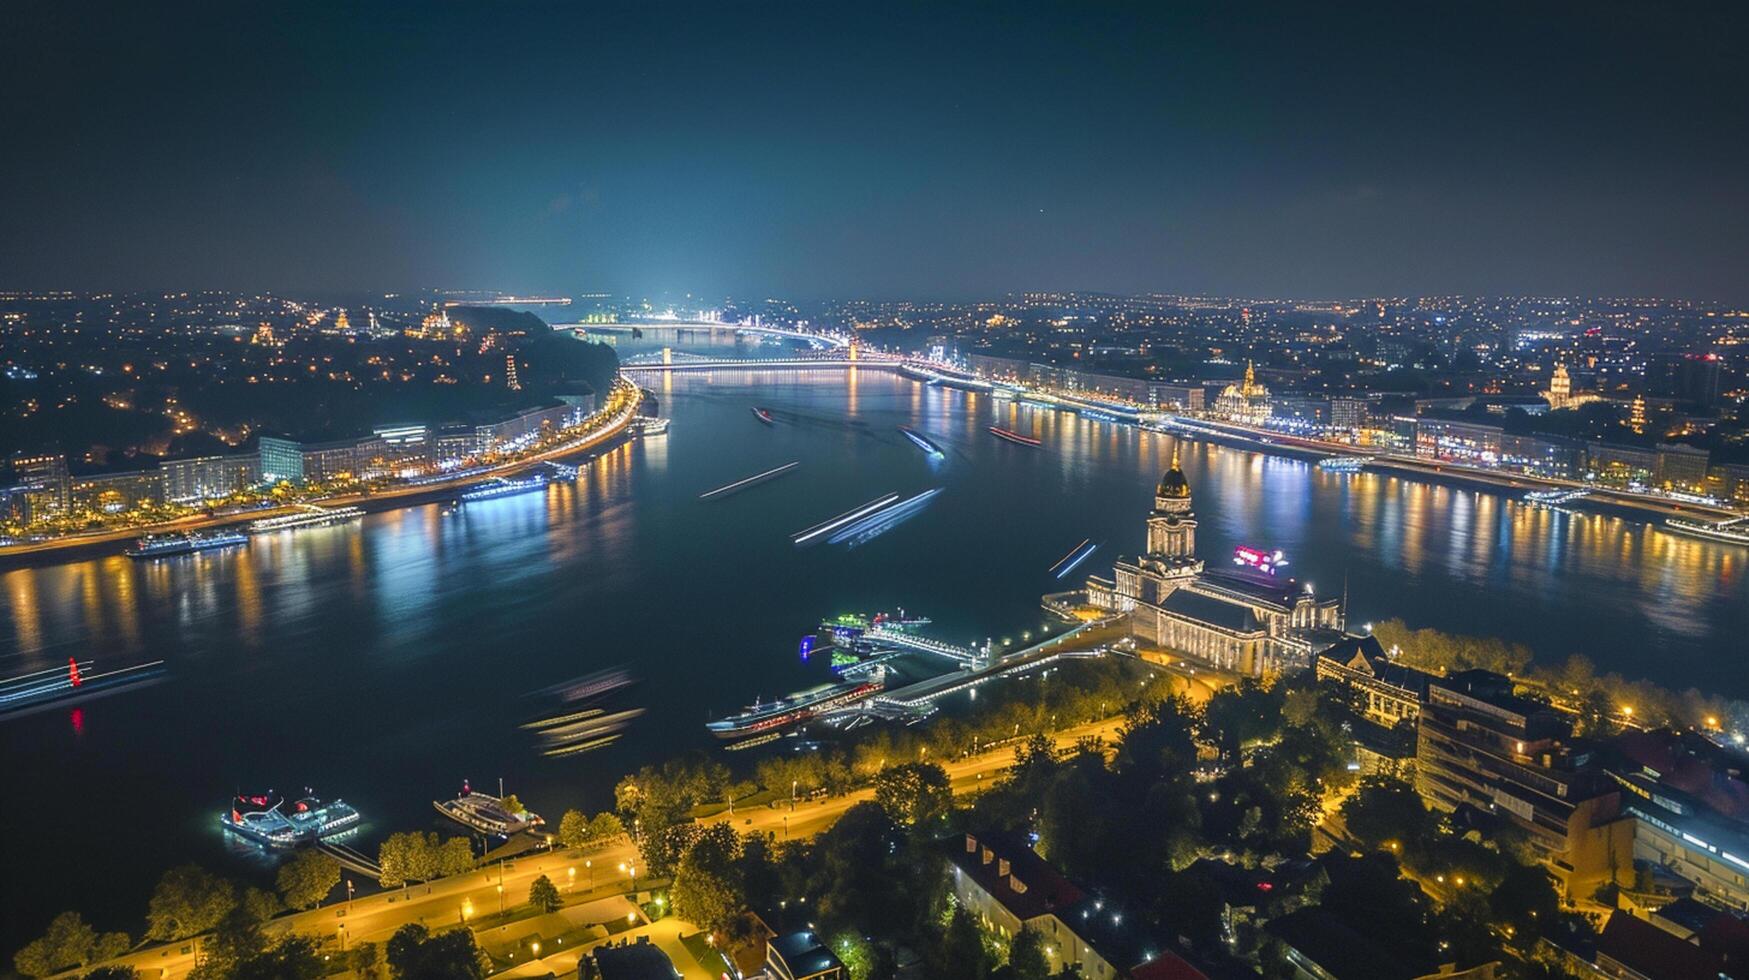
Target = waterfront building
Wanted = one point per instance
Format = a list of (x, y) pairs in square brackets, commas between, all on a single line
[(1621, 466), (282, 460), (203, 478), (1450, 441), (112, 493), (1682, 467), (344, 459), (524, 428), (1160, 395), (1386, 692), (1730, 481), (1350, 414), (1544, 456), (1248, 624), (1006, 886), (41, 481), (1246, 402)]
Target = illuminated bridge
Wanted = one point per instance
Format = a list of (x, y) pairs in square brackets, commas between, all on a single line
[(817, 339)]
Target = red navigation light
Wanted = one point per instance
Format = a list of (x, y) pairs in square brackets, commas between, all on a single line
[(73, 672)]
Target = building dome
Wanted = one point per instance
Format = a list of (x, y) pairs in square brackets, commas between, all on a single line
[(1173, 485)]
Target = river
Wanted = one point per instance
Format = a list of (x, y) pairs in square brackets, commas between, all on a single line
[(385, 661)]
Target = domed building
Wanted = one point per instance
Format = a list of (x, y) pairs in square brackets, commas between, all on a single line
[(1245, 623), (1246, 402)]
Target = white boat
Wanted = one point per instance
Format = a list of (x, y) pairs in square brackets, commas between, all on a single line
[(1733, 531), (307, 516), (1344, 464), (488, 814)]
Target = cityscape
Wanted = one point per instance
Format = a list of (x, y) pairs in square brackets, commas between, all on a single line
[(829, 493)]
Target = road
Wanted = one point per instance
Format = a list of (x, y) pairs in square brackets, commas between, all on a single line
[(580, 875), (377, 500)]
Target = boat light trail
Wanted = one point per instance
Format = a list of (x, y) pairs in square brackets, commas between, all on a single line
[(882, 520), (1086, 553), (755, 478), (1070, 554), (803, 537)]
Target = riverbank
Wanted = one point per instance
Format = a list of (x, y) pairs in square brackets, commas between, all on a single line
[(604, 429)]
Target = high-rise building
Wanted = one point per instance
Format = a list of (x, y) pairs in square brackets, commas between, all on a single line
[(42, 481), (282, 460)]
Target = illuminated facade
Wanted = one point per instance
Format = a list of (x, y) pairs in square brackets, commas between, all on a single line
[(1244, 402), (1243, 623)]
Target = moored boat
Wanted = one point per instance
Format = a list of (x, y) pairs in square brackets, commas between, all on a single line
[(500, 815), (266, 818), (794, 709), (309, 516), (1733, 531), (165, 545)]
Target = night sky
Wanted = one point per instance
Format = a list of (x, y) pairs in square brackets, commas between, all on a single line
[(835, 150)]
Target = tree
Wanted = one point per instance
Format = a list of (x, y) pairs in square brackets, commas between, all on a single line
[(188, 901), (362, 960), (1026, 955), (306, 879), (605, 827), (573, 829), (415, 954), (455, 857), (544, 895), (916, 793), (294, 957), (1386, 811), (962, 949), (1158, 738), (512, 805), (708, 883), (69, 941)]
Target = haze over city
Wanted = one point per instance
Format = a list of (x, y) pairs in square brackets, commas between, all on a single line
[(893, 151)]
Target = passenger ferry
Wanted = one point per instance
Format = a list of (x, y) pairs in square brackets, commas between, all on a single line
[(308, 516), (758, 719), (846, 627), (1014, 437), (502, 487), (649, 425), (1733, 531), (488, 814), (165, 545), (1344, 464), (265, 819)]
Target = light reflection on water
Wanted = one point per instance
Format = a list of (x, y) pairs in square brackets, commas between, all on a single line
[(382, 661)]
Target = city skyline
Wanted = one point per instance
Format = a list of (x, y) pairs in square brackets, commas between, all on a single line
[(924, 151)]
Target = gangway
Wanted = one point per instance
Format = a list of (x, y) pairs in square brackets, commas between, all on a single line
[(350, 858), (965, 656)]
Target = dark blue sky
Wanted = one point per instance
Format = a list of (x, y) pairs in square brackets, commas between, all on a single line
[(933, 150)]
